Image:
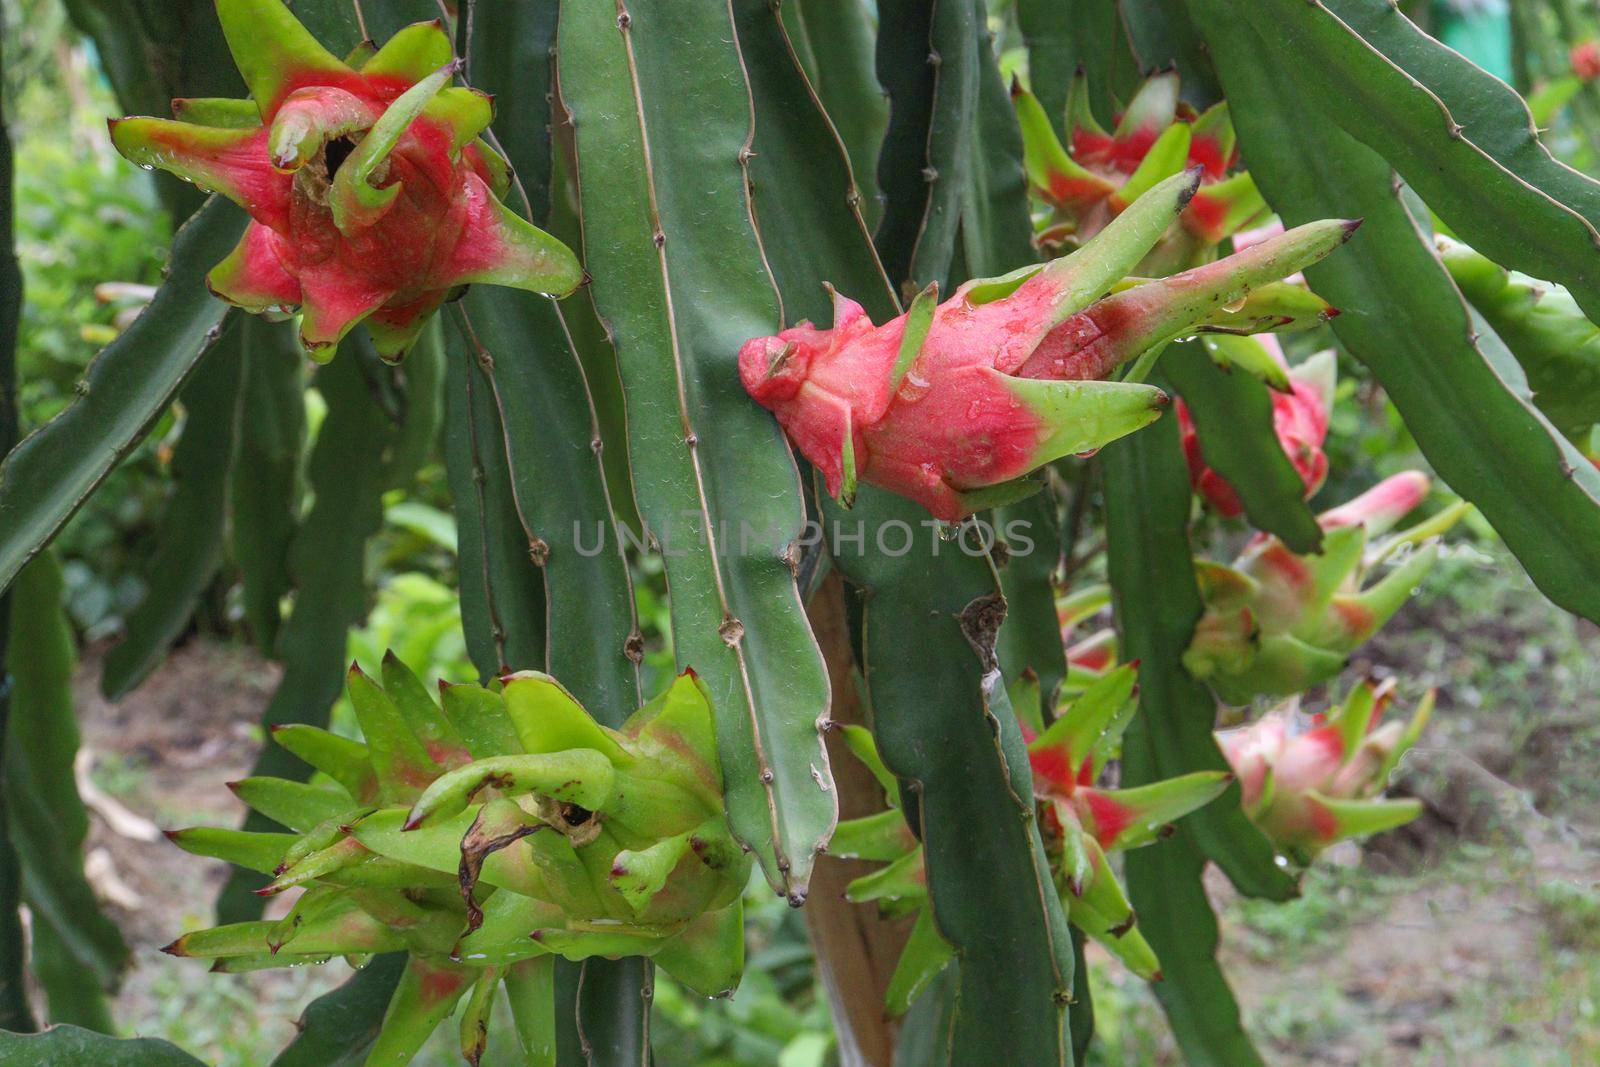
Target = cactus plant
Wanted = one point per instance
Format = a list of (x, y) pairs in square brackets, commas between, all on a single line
[(483, 835), (688, 422)]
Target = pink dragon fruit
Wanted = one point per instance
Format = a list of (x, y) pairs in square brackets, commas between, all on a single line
[(1299, 416), (1276, 623), (372, 197), (1096, 175), (1585, 60), (954, 404), (1308, 782)]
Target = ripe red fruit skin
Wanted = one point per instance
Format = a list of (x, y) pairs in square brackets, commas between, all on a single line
[(1585, 60), (372, 197)]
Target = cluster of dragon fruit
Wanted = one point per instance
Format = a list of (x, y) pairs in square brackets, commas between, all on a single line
[(1013, 373), (501, 827)]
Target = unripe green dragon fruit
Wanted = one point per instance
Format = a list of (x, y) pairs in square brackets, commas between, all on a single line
[(954, 404), (1087, 182), (372, 196), (1277, 623), (485, 837), (1309, 782), (1080, 821)]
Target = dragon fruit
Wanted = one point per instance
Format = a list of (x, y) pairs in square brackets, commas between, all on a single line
[(1276, 623), (1584, 59), (484, 838), (1086, 183), (1299, 416), (1308, 782), (953, 404), (1081, 823), (371, 194)]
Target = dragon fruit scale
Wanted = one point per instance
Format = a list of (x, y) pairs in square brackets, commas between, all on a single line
[(1308, 782), (372, 196), (953, 404), (1087, 182)]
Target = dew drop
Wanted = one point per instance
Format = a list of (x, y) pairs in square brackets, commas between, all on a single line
[(913, 387)]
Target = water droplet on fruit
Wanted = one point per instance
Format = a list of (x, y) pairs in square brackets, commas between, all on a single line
[(913, 387)]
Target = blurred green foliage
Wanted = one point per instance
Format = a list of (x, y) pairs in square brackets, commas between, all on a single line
[(83, 221)]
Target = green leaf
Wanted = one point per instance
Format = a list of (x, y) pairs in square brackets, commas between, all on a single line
[(908, 79), (663, 227), (1462, 137), (569, 529), (422, 407), (328, 563), (1464, 402), (508, 54), (45, 815), (996, 230), (1557, 346), (15, 1012), (68, 1044), (1232, 413), (1164, 882), (265, 487), (49, 475), (1053, 41), (800, 157), (191, 533), (1030, 638), (953, 146)]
